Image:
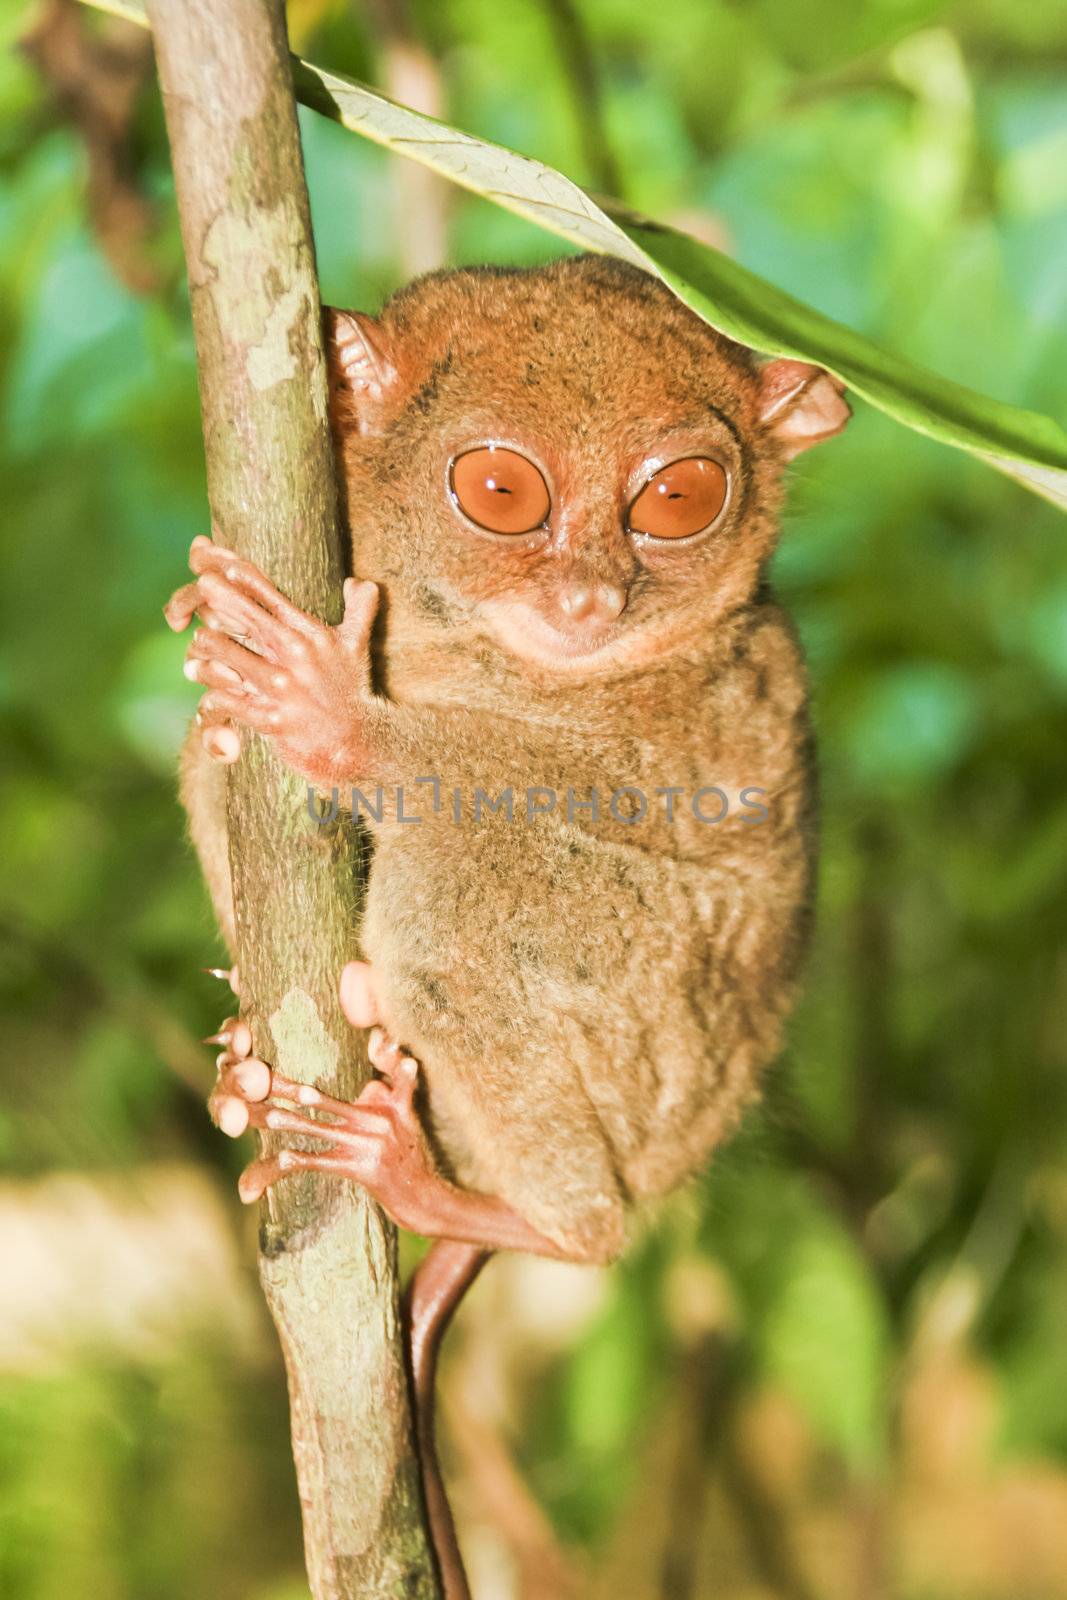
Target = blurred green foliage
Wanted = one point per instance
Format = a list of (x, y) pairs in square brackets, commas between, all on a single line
[(898, 1209)]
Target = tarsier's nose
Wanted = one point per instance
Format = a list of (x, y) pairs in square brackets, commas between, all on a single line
[(596, 603)]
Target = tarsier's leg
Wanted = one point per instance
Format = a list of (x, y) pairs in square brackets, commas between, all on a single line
[(377, 1141)]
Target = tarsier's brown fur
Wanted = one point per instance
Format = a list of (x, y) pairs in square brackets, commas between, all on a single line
[(591, 1002)]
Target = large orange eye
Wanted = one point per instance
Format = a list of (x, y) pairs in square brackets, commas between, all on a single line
[(500, 490), (680, 499)]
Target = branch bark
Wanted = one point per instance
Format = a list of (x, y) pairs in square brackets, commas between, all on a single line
[(328, 1256)]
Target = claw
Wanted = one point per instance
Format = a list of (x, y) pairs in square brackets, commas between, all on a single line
[(226, 974)]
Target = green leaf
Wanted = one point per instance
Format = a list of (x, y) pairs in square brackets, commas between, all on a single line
[(153, 702), (824, 1340), (1025, 445), (814, 1313)]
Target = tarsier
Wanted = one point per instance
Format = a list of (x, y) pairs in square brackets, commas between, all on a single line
[(563, 491)]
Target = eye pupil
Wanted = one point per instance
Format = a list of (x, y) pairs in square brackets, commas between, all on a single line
[(680, 499), (500, 490)]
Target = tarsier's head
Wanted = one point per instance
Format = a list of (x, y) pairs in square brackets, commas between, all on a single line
[(566, 461)]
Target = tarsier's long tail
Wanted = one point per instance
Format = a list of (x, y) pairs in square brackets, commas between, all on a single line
[(438, 1285)]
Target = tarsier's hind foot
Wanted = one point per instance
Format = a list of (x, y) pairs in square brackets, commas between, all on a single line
[(375, 1140)]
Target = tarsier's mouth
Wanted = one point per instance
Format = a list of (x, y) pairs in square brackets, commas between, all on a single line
[(526, 633)]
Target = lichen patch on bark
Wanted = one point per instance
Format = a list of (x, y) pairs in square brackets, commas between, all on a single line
[(303, 1048), (265, 319)]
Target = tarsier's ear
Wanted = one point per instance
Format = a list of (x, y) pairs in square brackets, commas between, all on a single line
[(361, 370), (802, 405)]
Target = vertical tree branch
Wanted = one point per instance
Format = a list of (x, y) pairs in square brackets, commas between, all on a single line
[(328, 1259)]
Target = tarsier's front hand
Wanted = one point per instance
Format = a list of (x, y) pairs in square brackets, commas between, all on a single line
[(270, 667)]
